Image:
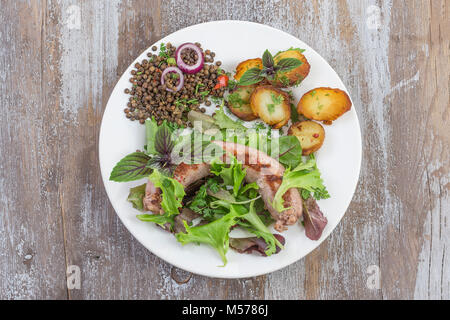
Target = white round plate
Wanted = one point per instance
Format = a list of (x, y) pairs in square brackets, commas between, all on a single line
[(339, 159)]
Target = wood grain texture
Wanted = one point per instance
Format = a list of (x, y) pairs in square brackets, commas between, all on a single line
[(57, 77)]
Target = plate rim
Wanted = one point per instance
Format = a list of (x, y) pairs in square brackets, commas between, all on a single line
[(244, 275)]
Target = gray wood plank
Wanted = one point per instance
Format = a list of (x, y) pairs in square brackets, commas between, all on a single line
[(32, 260)]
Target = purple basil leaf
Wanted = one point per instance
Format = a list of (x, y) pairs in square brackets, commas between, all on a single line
[(267, 59), (163, 140)]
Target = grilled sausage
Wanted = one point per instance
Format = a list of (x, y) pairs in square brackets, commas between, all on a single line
[(260, 168), (268, 174), (186, 174)]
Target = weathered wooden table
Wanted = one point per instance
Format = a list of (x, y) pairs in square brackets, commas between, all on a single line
[(59, 61)]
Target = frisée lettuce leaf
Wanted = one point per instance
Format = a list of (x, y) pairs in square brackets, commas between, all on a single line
[(306, 177), (172, 192), (215, 233)]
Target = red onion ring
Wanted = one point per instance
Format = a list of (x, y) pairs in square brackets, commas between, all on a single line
[(184, 66), (180, 78)]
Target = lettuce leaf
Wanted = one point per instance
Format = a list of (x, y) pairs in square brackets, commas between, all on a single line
[(172, 192), (290, 151), (254, 224), (225, 122), (306, 177), (136, 196), (216, 233), (162, 220), (151, 127), (232, 174)]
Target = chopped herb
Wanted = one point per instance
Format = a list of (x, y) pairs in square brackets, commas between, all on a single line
[(198, 86), (204, 93), (217, 100), (271, 108), (277, 100), (192, 101), (232, 84), (284, 80), (171, 61), (184, 102), (236, 100), (260, 126), (163, 51)]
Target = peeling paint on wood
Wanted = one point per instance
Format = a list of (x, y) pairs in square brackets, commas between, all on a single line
[(56, 79)]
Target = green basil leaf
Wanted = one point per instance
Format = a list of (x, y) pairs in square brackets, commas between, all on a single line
[(288, 64), (251, 76), (130, 168)]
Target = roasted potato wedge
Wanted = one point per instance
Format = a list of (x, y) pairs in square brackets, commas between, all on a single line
[(310, 134), (295, 76), (245, 65), (272, 105), (239, 103), (324, 104)]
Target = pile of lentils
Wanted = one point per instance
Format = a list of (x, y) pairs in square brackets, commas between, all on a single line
[(149, 98)]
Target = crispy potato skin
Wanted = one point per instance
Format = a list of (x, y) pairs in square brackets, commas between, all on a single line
[(242, 110), (310, 134), (260, 100), (324, 104), (294, 76), (245, 65)]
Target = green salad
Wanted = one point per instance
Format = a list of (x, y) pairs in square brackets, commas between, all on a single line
[(223, 194)]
